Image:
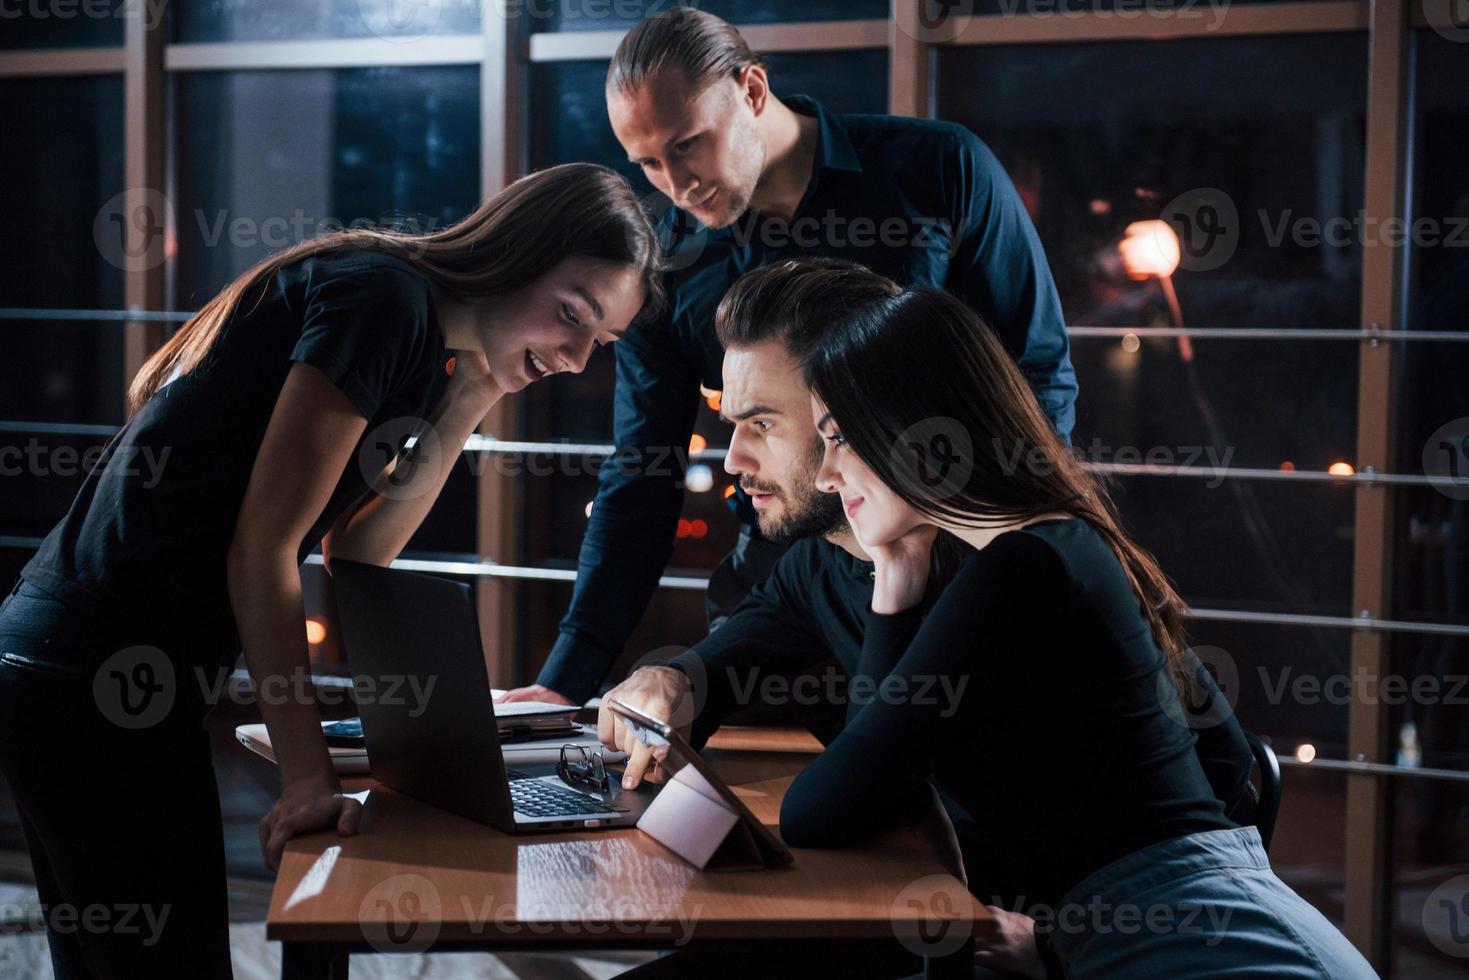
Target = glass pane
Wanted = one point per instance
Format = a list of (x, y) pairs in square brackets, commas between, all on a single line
[(380, 145), (1432, 555), (75, 24), (1248, 165), (62, 192), (1431, 531), (611, 15), (69, 257), (1247, 544), (291, 20), (1213, 14)]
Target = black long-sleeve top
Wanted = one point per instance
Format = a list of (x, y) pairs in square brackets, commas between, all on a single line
[(919, 200), (817, 604), (1067, 746)]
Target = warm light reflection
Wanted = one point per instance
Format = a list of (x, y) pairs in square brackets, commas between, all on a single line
[(1287, 466), (1340, 469), (1131, 343), (1305, 752), (698, 444), (699, 478), (1149, 248), (729, 491), (315, 631)]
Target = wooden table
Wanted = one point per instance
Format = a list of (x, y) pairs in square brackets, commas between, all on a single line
[(417, 878)]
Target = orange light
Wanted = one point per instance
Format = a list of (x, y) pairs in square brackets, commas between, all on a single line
[(315, 631), (1149, 248), (1340, 469), (1288, 467), (729, 491), (698, 444), (713, 401)]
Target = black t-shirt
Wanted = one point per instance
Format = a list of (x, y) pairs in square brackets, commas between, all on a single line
[(148, 533)]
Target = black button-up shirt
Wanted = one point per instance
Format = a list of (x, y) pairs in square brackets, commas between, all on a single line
[(920, 201)]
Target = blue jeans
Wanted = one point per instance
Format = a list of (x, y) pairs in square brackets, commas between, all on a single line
[(1202, 906)]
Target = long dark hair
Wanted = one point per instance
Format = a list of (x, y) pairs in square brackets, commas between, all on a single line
[(510, 240), (920, 373)]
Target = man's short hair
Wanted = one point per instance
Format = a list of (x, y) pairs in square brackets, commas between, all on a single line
[(795, 301)]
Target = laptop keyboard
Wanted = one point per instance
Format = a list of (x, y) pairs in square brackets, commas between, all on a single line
[(536, 798)]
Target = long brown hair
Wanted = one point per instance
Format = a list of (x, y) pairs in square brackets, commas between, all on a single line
[(924, 364), (510, 240), (702, 46)]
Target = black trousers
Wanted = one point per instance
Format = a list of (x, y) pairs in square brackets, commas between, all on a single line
[(118, 805)]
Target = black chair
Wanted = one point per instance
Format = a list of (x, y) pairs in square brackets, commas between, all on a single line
[(1268, 805)]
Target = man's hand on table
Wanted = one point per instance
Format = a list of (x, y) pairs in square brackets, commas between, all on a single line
[(663, 693)]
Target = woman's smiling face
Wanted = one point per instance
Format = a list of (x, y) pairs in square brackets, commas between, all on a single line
[(877, 516), (555, 322)]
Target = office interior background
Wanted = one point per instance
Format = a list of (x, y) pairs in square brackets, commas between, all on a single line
[(1282, 404)]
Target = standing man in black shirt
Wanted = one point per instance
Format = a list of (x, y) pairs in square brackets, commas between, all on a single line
[(755, 179)]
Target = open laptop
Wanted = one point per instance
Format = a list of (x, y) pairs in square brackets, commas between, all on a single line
[(428, 715)]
